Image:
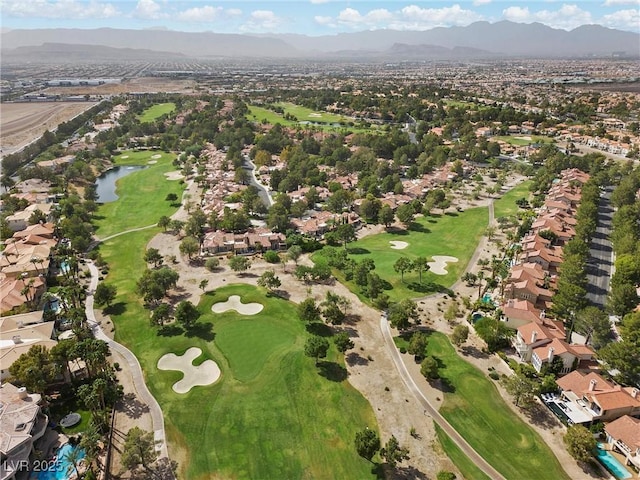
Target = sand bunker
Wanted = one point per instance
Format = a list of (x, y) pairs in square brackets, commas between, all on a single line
[(315, 115), (157, 155), (175, 175), (398, 245), (439, 264), (152, 162), (233, 303), (204, 374), (124, 157)]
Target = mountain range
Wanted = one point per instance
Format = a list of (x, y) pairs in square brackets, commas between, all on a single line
[(480, 39)]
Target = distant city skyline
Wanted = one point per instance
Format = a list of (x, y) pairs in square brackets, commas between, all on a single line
[(311, 17)]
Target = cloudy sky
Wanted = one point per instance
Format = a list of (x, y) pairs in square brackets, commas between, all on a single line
[(312, 17)]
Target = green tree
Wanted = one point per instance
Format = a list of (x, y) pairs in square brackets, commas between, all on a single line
[(105, 294), (401, 313), (186, 313), (343, 342), (522, 388), (418, 344), (367, 443), (152, 255), (421, 264), (189, 247), (580, 443), (171, 197), (316, 347), (294, 253), (393, 453), (459, 335), (239, 263), (33, 369), (403, 264), (405, 214), (212, 264), (429, 368), (445, 475), (139, 449), (160, 314), (308, 311), (385, 216), (203, 284), (164, 222), (269, 280), (345, 233), (593, 323)]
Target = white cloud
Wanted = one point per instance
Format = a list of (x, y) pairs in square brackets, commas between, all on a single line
[(70, 9), (200, 14), (567, 17), (411, 17), (323, 20), (233, 12), (149, 10), (623, 20), (610, 3), (260, 21), (481, 2), (317, 2)]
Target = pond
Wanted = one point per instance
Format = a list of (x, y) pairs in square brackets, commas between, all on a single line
[(106, 183)]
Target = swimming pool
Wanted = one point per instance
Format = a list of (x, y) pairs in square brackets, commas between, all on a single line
[(612, 464), (61, 468)]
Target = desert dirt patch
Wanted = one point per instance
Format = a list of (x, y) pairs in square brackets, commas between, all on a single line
[(234, 303), (204, 374), (22, 123), (398, 244), (439, 264)]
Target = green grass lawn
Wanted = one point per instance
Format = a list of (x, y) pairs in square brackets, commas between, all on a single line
[(468, 469), (156, 111), (306, 114), (476, 410), (522, 140), (149, 184), (272, 415), (454, 234), (506, 206)]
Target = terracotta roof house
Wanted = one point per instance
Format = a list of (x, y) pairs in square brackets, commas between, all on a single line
[(597, 397), (516, 313), (21, 424), (623, 436), (571, 355)]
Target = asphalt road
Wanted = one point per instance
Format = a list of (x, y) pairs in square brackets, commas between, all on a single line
[(600, 262)]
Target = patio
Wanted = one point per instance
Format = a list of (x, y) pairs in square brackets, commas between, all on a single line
[(570, 412)]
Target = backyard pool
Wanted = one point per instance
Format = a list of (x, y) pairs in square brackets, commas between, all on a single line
[(612, 464), (60, 468)]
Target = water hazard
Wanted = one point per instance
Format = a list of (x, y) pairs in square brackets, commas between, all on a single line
[(106, 183)]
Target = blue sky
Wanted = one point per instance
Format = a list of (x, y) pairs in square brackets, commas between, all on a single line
[(312, 17)]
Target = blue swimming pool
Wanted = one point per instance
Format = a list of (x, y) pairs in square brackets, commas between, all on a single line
[(612, 464), (61, 468)]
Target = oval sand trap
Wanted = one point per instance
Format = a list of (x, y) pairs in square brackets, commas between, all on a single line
[(204, 374), (175, 175), (439, 264), (152, 162), (234, 303), (157, 155), (398, 245), (124, 157)]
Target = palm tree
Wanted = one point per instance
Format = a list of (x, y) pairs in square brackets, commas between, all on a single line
[(73, 457)]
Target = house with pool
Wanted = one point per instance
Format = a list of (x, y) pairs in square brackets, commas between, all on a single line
[(623, 436)]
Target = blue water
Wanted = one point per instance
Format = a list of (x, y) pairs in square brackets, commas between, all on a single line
[(61, 469), (64, 266), (106, 183), (612, 464), (54, 305)]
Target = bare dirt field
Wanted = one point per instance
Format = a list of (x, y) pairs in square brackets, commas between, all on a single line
[(22, 123), (133, 85)]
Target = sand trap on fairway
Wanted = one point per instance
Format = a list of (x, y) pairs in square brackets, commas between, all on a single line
[(315, 115), (204, 374), (175, 175), (152, 162), (157, 155), (439, 264), (234, 303), (124, 157), (398, 245)]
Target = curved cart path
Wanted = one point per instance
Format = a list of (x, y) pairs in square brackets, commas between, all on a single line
[(134, 366), (462, 444)]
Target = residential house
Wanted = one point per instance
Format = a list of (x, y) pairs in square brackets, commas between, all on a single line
[(623, 436), (597, 398), (18, 333), (573, 356), (20, 220), (21, 424), (258, 240)]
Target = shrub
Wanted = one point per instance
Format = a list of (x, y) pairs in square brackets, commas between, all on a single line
[(494, 375), (271, 256), (211, 264), (403, 350)]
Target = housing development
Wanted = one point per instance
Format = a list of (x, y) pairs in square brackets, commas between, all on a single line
[(324, 267)]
